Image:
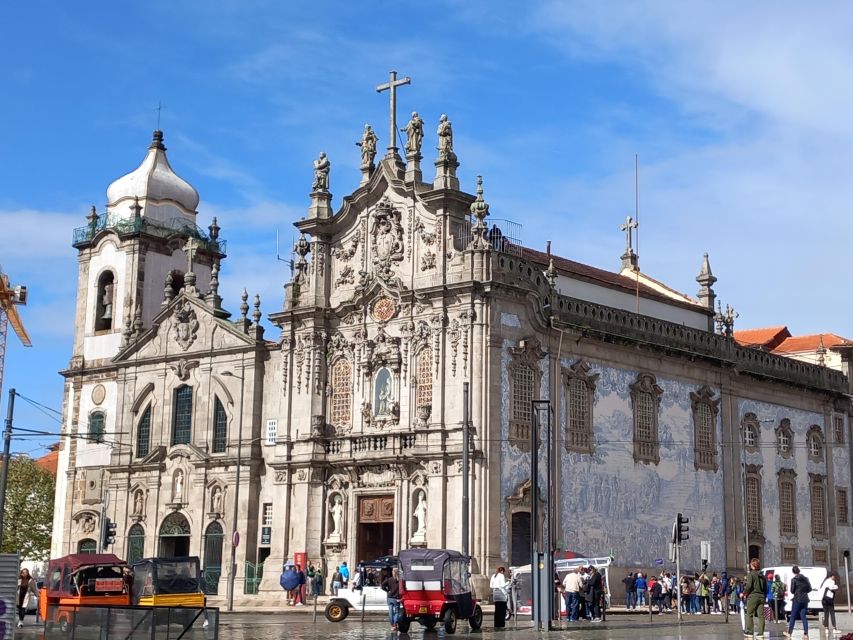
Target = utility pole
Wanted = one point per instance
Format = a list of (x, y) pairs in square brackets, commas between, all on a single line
[(465, 454), (7, 443)]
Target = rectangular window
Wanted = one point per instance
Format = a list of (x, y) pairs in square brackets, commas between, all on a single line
[(183, 418), (841, 506), (522, 394), (820, 557), (266, 517), (645, 439), (787, 521), (579, 418), (753, 503), (789, 554), (705, 450), (838, 428), (818, 510), (272, 431)]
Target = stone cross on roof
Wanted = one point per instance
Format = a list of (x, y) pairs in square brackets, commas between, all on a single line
[(391, 87), (628, 227), (191, 247)]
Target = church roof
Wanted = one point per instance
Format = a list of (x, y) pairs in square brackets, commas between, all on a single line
[(154, 180), (767, 338), (608, 278)]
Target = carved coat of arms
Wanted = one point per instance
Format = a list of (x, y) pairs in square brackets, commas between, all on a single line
[(184, 324), (387, 235)]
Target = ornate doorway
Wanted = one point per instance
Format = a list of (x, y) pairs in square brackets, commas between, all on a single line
[(135, 543), (174, 536), (375, 535), (213, 538)]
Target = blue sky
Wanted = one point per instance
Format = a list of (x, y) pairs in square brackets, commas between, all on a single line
[(740, 116)]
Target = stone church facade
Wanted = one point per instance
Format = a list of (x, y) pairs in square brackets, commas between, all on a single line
[(337, 432)]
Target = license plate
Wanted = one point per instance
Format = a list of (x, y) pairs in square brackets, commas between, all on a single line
[(423, 610)]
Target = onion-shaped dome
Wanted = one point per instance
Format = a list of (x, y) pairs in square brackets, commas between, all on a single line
[(162, 193)]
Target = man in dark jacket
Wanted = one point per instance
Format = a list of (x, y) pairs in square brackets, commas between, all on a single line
[(753, 591), (594, 589), (391, 585), (630, 591), (800, 588)]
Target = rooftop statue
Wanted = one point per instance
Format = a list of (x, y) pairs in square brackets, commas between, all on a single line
[(321, 173), (415, 134)]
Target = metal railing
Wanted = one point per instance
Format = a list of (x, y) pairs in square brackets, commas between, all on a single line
[(254, 575), (123, 225), (81, 622), (365, 445)]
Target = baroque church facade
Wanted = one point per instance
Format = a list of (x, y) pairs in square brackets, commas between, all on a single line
[(336, 433)]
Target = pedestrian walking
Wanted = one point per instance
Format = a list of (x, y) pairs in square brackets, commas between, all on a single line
[(572, 584), (778, 593), (594, 590), (753, 592), (391, 586), (828, 589), (318, 583), (800, 588), (26, 590), (630, 591), (344, 574), (337, 580), (498, 584), (299, 597)]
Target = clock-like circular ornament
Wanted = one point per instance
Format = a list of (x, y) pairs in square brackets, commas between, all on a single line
[(99, 394), (383, 309)]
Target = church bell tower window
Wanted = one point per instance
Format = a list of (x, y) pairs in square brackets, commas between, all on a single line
[(104, 307), (183, 417)]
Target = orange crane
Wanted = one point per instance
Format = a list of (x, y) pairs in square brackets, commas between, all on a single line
[(9, 297)]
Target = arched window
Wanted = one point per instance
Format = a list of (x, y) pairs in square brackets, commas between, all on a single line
[(705, 409), (785, 439), (342, 393), (96, 426), (87, 545), (220, 427), (580, 394), (135, 543), (815, 442), (751, 434), (143, 434), (104, 308), (423, 374), (213, 539), (646, 395), (182, 420)]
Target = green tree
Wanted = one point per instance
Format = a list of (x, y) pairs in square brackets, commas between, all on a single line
[(28, 516)]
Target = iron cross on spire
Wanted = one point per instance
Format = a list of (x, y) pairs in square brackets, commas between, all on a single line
[(391, 86), (628, 227)]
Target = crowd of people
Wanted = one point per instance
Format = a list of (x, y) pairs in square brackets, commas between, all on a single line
[(300, 584)]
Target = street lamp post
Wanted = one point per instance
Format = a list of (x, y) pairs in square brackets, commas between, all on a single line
[(233, 565)]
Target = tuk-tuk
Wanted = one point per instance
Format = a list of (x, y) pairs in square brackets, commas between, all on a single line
[(167, 582), (91, 579), (435, 586), (366, 593)]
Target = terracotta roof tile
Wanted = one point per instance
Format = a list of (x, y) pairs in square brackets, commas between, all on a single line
[(49, 461), (768, 338), (799, 344)]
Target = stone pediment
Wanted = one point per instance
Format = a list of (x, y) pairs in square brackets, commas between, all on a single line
[(185, 327), (156, 456)]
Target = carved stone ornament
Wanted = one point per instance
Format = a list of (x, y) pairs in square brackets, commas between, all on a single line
[(383, 309), (99, 394), (427, 261), (380, 476), (280, 475), (301, 475), (387, 239), (182, 368), (435, 467), (347, 276), (184, 324)]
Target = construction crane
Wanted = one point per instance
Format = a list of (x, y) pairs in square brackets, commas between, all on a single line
[(9, 297)]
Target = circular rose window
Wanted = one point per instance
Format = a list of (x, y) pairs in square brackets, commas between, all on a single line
[(383, 309)]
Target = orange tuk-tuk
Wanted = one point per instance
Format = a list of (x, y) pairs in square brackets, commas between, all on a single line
[(81, 579)]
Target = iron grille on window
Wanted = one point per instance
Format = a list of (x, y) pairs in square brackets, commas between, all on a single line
[(789, 554), (522, 394), (750, 436), (266, 519), (272, 431), (787, 517), (183, 419), (423, 372), (784, 442), (143, 434), (96, 427), (580, 418), (753, 503), (220, 427), (818, 510), (645, 436), (838, 425), (342, 393), (815, 446), (820, 556), (841, 506), (706, 454)]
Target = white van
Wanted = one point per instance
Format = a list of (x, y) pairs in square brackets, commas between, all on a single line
[(816, 576)]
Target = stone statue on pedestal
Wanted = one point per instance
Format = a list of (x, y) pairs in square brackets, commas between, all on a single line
[(368, 147), (321, 173), (415, 135), (445, 139), (337, 510)]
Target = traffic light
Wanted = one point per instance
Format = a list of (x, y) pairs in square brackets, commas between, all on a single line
[(681, 528), (109, 534)]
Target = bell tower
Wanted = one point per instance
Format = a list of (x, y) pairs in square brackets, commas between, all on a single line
[(133, 257)]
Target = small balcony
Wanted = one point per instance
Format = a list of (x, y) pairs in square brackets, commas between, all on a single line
[(375, 445)]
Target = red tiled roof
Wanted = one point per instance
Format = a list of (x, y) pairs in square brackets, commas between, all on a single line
[(800, 344), (602, 277), (49, 461), (768, 338)]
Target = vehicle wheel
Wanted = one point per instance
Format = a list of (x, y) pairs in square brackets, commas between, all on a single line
[(476, 620), (429, 623), (403, 624), (450, 621), (335, 612), (64, 627)]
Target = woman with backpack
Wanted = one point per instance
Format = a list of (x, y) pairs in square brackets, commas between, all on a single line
[(828, 589)]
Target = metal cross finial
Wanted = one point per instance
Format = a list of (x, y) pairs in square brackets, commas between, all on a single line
[(158, 109), (391, 86), (628, 227), (191, 247)]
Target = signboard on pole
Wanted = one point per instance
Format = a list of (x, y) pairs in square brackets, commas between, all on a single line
[(705, 551), (235, 539)]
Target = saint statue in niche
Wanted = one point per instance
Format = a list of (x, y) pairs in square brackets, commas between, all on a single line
[(216, 500), (178, 487), (383, 393), (137, 503), (420, 513), (337, 510)]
